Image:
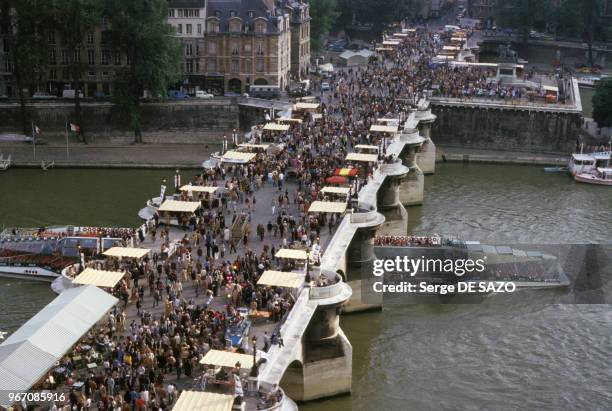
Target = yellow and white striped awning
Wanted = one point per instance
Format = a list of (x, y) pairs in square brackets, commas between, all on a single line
[(99, 278), (180, 206), (367, 158), (336, 190), (378, 128), (291, 254), (281, 279), (203, 401), (327, 207), (226, 359), (128, 252), (237, 157), (276, 127), (200, 189)]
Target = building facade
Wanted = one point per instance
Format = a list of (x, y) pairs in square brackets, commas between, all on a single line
[(300, 37), (242, 43)]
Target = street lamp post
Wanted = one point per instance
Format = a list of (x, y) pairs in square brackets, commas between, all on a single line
[(254, 372)]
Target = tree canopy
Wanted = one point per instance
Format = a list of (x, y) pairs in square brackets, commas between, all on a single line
[(602, 103), (323, 13), (140, 30), (524, 15)]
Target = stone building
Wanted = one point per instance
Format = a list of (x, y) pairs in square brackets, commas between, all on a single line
[(243, 42), (300, 37)]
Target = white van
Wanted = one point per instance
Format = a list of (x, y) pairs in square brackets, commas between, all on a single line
[(69, 93), (203, 94)]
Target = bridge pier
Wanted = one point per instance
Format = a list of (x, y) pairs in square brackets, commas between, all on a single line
[(426, 157), (389, 203), (412, 187), (324, 368), (359, 261)]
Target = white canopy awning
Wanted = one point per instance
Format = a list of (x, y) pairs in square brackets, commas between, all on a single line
[(237, 157), (289, 120), (281, 279), (387, 120), (390, 43), (203, 401), (327, 207), (377, 128), (200, 189), (30, 352), (367, 158), (180, 206), (99, 278), (336, 190), (226, 359), (291, 254), (366, 147), (305, 106), (276, 127), (126, 252)]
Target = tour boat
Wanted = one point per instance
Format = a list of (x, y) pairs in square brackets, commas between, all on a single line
[(586, 163), (41, 254), (601, 176)]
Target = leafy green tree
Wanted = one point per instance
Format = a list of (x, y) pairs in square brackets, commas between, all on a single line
[(524, 15), (602, 103), (73, 20), (23, 24), (140, 30), (582, 19), (323, 13)]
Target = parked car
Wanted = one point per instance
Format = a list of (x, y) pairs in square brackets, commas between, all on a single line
[(299, 92), (325, 86), (177, 95), (42, 95), (203, 94), (100, 94), (70, 93)]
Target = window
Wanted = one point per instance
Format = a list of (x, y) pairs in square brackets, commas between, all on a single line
[(51, 37), (91, 73), (52, 57), (211, 65), (199, 29), (247, 47), (235, 48), (77, 56), (197, 49), (235, 67), (248, 66), (188, 49), (117, 58), (259, 49), (259, 65), (189, 66), (65, 57), (218, 13), (105, 57), (90, 38), (188, 28), (251, 13), (197, 66), (52, 74), (212, 48), (65, 75), (213, 27), (180, 12), (91, 57), (235, 27), (179, 29), (170, 12), (260, 27), (232, 13), (104, 20)]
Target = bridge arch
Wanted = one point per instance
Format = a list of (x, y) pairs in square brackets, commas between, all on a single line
[(293, 380)]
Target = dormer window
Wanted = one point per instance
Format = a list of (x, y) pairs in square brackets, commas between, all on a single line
[(260, 27), (232, 13), (218, 13), (251, 13)]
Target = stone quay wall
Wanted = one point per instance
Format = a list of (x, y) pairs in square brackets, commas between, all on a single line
[(505, 128)]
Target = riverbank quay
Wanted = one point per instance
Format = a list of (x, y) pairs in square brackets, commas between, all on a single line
[(469, 155)]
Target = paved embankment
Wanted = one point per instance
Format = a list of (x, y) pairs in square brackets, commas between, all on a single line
[(467, 155)]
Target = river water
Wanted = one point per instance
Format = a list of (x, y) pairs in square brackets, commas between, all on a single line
[(527, 353)]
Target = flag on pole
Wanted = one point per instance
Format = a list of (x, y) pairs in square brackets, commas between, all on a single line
[(37, 130), (75, 128)]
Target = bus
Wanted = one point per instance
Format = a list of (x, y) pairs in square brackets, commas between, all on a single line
[(265, 91)]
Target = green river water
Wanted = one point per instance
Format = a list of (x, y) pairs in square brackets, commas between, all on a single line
[(526, 354)]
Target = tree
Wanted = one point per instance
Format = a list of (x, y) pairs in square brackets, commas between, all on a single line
[(23, 22), (139, 29), (602, 103), (323, 13), (524, 15), (73, 20), (380, 13)]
